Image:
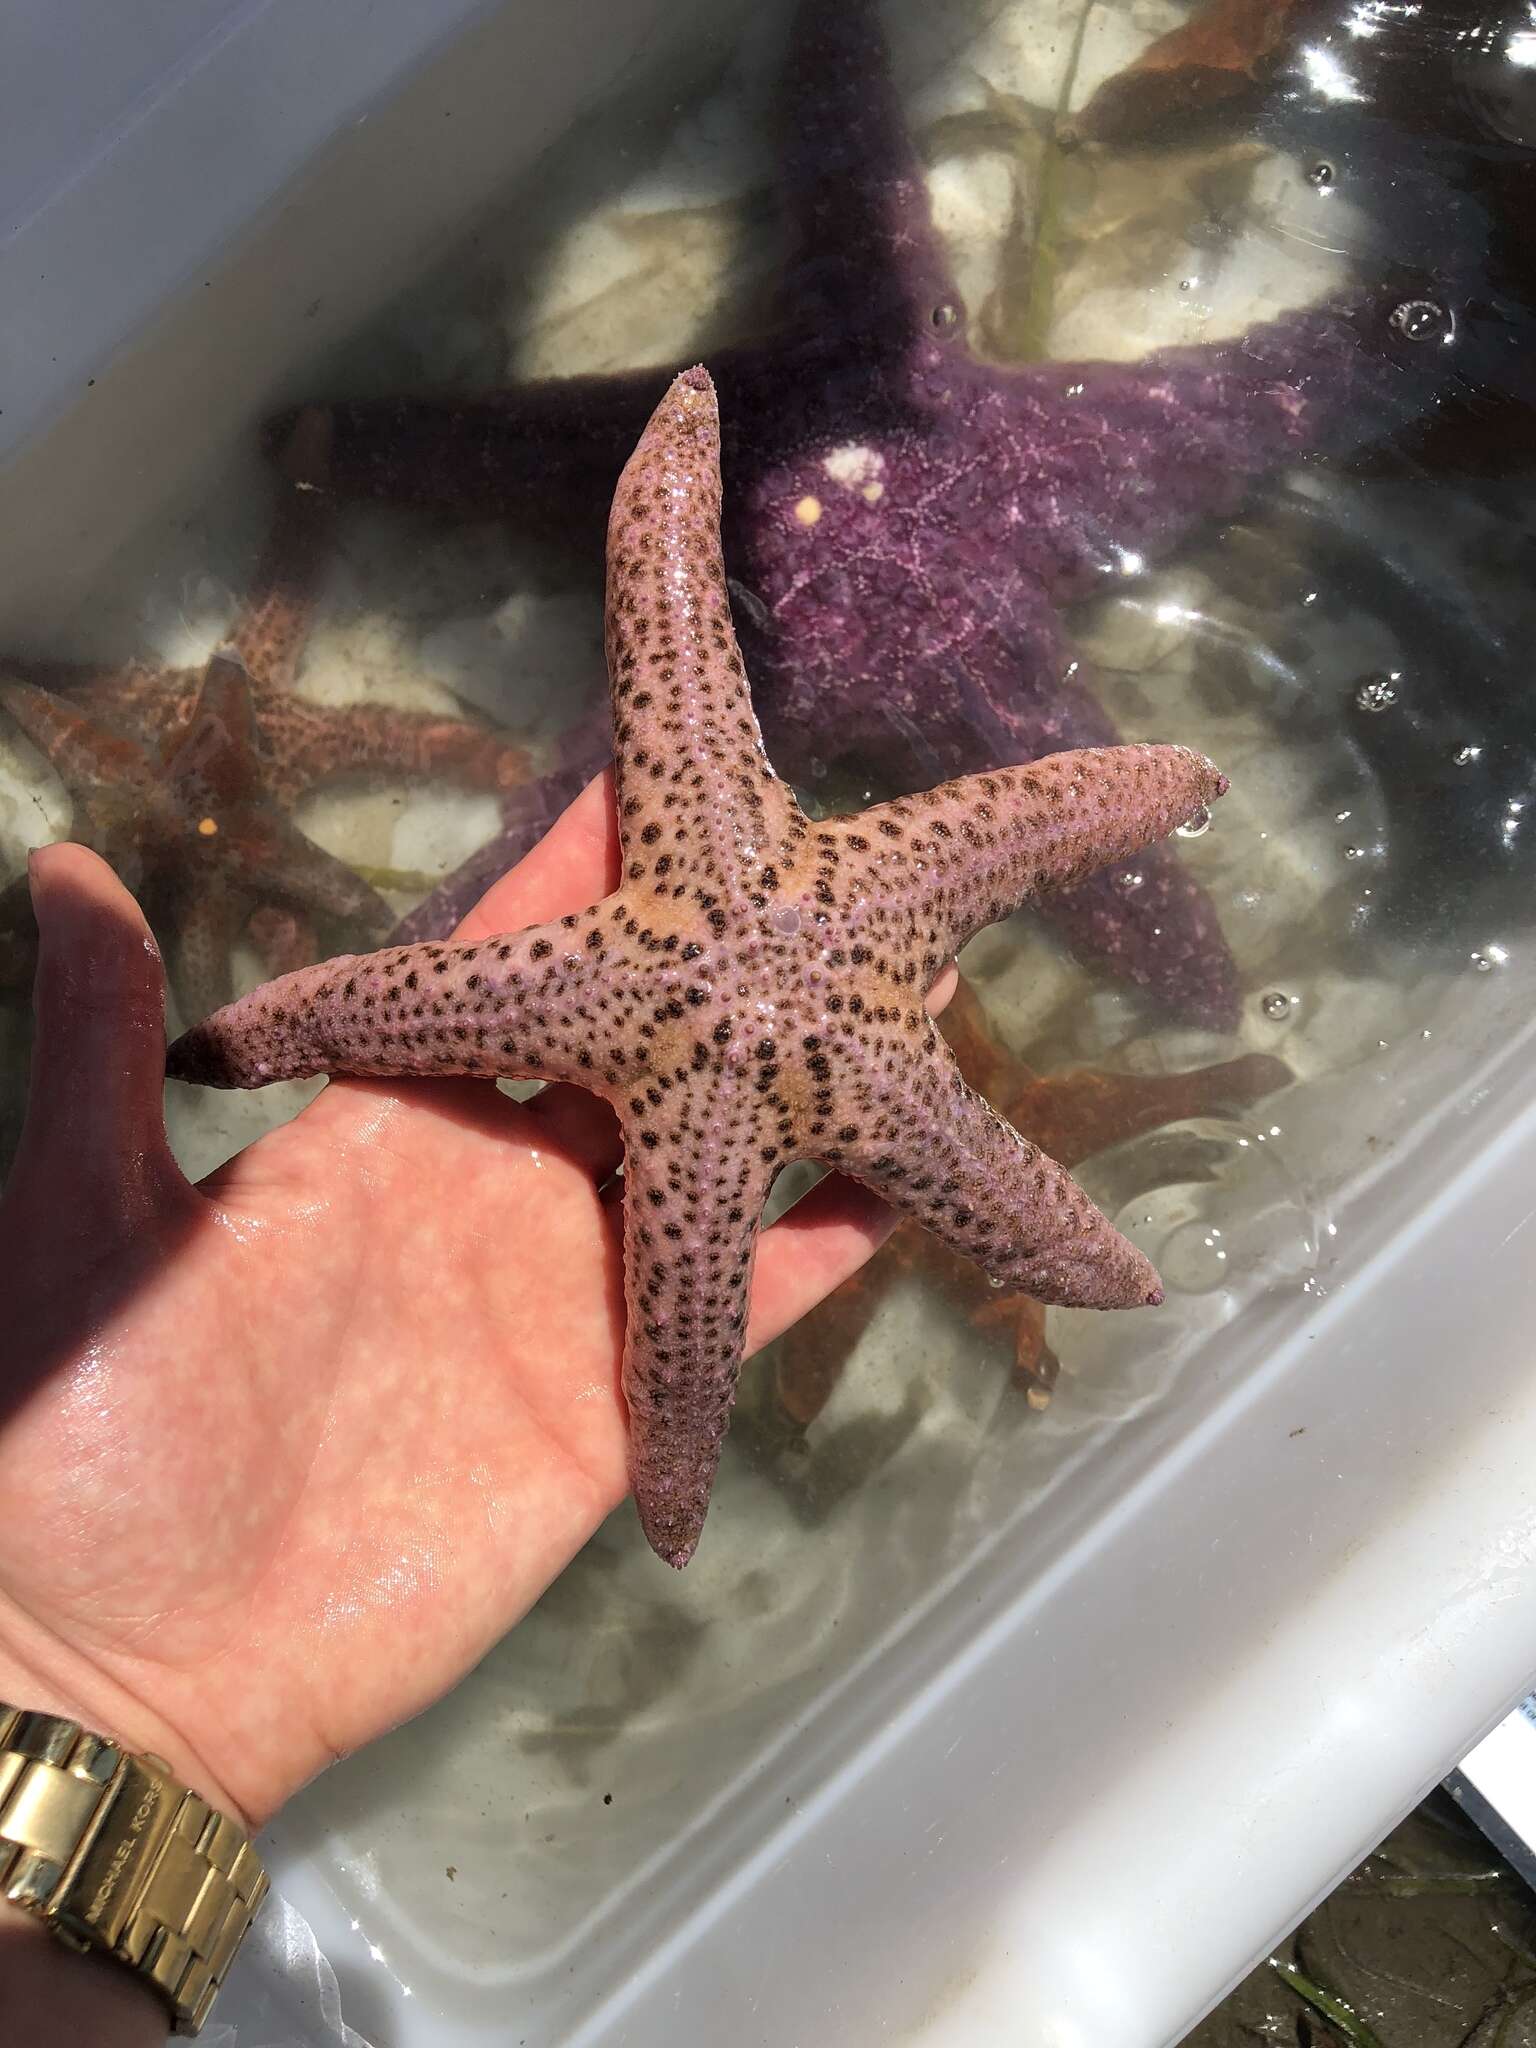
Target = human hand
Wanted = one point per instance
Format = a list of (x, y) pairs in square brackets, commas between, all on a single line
[(282, 1454)]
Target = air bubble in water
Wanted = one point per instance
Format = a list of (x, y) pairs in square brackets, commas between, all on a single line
[(945, 316), (1354, 853), (1130, 881), (1195, 825), (1377, 693), (1421, 320), (1465, 756), (1486, 958), (1193, 1258), (1321, 175), (786, 920), (1276, 1003)]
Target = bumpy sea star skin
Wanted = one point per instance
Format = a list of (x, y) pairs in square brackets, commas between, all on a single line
[(752, 993), (189, 830), (904, 519), (1071, 1116)]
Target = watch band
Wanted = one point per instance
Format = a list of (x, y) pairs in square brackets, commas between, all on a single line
[(112, 1852)]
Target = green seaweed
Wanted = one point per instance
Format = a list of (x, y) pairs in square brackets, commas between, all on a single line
[(1338, 2014)]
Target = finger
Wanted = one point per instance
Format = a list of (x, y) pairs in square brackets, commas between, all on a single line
[(575, 863), (581, 1125), (93, 1148), (823, 1239), (942, 994)]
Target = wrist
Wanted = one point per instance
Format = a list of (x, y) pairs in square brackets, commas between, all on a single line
[(44, 1985), (107, 1848), (44, 1678)]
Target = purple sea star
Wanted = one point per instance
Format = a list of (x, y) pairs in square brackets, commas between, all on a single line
[(753, 992), (904, 519)]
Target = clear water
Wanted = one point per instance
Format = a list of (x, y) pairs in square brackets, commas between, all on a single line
[(1351, 648)]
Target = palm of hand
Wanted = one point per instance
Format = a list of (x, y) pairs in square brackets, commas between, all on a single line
[(284, 1454)]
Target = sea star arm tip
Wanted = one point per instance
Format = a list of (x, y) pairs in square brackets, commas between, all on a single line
[(972, 851), (519, 1005), (698, 801), (693, 1197), (928, 1144)]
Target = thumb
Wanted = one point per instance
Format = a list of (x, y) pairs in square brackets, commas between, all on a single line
[(93, 1160)]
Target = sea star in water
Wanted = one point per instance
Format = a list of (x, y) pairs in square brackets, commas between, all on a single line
[(1072, 1116), (753, 993), (294, 744), (903, 520), (189, 830)]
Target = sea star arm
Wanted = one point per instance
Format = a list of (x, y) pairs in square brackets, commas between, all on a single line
[(18, 934), (963, 855), (929, 1145), (694, 1186), (275, 620), (136, 699), (214, 764), (870, 264), (120, 806), (557, 444), (701, 811), (866, 680), (1118, 461), (82, 755), (306, 743), (273, 863), (1088, 1109), (200, 946), (547, 1004), (284, 939)]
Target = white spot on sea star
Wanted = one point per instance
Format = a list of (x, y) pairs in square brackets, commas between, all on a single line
[(854, 465)]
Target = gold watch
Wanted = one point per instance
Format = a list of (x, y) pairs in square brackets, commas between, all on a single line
[(111, 1852)]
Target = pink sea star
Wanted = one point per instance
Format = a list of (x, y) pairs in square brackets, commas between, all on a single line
[(902, 519), (753, 992)]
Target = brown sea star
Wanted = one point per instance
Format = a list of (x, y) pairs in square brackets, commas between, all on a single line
[(300, 744), (189, 830), (291, 746), (1214, 61), (753, 992), (1072, 1116), (904, 519)]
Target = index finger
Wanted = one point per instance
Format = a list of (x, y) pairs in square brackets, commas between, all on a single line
[(574, 864)]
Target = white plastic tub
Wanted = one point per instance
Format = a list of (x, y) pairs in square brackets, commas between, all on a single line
[(1045, 1727)]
